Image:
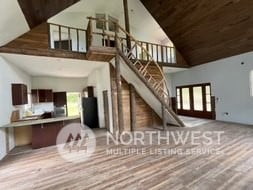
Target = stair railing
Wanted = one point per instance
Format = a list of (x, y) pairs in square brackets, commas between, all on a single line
[(159, 85)]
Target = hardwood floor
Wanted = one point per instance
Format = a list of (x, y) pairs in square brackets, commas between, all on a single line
[(45, 169)]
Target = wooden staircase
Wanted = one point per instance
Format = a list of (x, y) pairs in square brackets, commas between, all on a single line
[(128, 54)]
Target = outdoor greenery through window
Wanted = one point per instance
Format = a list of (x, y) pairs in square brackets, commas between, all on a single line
[(73, 103)]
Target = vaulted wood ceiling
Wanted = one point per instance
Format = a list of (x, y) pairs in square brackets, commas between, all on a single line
[(38, 11), (206, 30)]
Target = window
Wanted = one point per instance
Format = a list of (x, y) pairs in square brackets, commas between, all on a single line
[(194, 97), (178, 99), (186, 99), (100, 24), (73, 103), (112, 22), (198, 98)]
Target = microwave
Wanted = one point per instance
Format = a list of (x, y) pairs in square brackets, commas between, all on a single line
[(60, 111)]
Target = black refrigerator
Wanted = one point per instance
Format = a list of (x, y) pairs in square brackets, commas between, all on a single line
[(90, 112)]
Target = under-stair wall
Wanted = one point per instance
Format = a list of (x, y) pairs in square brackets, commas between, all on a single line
[(145, 116)]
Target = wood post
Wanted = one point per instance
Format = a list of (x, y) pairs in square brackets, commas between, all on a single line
[(119, 94), (127, 23), (132, 107), (114, 106), (164, 117)]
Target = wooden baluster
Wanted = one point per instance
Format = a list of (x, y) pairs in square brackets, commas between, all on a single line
[(136, 52), (157, 58), (49, 35), (162, 56), (77, 38), (59, 37), (147, 48), (141, 51), (69, 39), (152, 52), (171, 61), (167, 59)]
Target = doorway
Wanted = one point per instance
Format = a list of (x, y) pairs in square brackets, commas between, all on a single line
[(195, 101)]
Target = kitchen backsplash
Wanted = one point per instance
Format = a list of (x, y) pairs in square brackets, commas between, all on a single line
[(42, 107)]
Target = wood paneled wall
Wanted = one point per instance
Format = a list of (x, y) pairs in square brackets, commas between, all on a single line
[(35, 42), (38, 11), (145, 116)]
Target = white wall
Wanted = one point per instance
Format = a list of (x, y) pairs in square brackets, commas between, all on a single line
[(230, 82), (9, 74), (100, 79), (142, 25), (12, 21), (59, 84)]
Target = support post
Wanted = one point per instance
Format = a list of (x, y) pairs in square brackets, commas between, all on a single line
[(132, 107), (119, 94), (127, 23), (163, 116)]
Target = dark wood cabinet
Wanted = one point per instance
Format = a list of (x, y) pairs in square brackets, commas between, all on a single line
[(60, 99), (44, 135), (19, 94), (42, 95), (88, 92)]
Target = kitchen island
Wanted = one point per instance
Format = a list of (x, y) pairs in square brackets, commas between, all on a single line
[(44, 131)]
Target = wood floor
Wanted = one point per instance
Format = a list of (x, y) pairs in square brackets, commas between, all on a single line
[(45, 169)]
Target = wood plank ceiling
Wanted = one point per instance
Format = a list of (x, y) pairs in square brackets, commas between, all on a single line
[(204, 30), (38, 11)]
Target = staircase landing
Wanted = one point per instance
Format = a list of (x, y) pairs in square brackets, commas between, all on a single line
[(105, 54)]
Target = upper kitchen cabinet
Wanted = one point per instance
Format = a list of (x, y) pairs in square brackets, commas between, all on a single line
[(19, 94), (60, 99), (42, 95)]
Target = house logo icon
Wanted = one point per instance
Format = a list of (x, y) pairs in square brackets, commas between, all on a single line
[(76, 143)]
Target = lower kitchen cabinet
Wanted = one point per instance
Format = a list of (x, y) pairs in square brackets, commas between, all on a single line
[(44, 135)]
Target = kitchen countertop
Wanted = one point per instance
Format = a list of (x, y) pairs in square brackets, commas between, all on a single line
[(38, 121)]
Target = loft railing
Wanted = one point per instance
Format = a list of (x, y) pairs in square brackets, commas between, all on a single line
[(100, 36), (66, 38), (76, 40), (158, 85), (160, 53)]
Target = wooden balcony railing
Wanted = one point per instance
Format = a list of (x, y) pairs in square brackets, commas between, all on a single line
[(67, 38), (72, 39)]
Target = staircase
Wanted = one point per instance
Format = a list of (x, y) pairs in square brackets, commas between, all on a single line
[(153, 90)]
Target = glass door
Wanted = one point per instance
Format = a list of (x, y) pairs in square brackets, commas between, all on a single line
[(195, 100)]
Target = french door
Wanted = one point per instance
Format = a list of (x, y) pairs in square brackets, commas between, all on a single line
[(196, 101)]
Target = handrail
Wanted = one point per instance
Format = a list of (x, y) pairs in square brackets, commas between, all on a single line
[(165, 95), (65, 26)]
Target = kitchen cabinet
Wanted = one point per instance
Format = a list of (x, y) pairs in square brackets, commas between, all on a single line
[(60, 99), (42, 95), (19, 94), (88, 92), (44, 135)]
